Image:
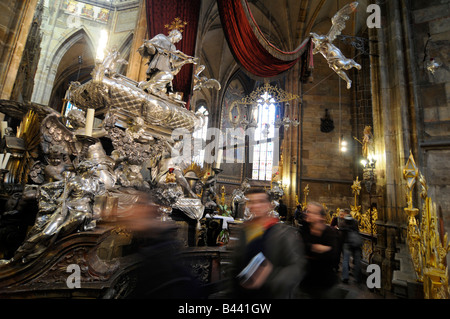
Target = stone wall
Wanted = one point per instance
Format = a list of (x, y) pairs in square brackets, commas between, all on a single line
[(410, 107), (7, 10), (328, 171), (431, 35), (15, 22)]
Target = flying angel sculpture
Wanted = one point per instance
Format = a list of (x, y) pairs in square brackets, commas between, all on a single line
[(324, 44)]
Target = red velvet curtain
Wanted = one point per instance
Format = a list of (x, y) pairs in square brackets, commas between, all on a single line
[(249, 47), (163, 12)]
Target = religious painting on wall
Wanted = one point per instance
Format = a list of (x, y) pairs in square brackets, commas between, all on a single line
[(233, 132), (86, 11)]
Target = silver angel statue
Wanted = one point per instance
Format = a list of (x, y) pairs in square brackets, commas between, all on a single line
[(172, 159), (324, 44)]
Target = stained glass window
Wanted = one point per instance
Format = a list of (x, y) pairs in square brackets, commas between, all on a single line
[(264, 133)]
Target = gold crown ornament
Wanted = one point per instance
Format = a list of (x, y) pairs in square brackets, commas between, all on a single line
[(176, 24)]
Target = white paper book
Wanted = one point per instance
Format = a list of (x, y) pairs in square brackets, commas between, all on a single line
[(252, 266)]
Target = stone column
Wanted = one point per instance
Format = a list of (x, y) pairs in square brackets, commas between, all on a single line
[(378, 254), (136, 65), (388, 264), (16, 17), (394, 127), (290, 146)]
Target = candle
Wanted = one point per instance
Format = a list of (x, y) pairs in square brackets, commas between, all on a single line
[(4, 126), (5, 160), (89, 121), (219, 158)]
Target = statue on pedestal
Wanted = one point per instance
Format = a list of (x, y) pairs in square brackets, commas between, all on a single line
[(165, 61), (238, 200)]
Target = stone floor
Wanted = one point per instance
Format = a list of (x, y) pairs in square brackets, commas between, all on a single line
[(350, 290), (357, 291), (353, 290)]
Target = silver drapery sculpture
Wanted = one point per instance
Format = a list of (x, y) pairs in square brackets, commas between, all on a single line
[(66, 207), (324, 44)]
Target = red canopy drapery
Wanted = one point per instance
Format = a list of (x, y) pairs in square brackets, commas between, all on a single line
[(248, 45), (163, 12)]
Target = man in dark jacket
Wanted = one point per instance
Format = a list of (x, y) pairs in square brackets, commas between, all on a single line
[(352, 247), (321, 250), (282, 211), (279, 247)]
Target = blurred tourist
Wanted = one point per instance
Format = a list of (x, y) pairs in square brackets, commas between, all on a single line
[(160, 273), (299, 217), (282, 211), (338, 222), (352, 242), (321, 250), (268, 258)]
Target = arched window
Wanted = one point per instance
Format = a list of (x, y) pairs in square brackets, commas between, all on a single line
[(199, 136), (263, 150)]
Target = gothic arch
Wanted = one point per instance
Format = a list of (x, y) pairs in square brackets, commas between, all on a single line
[(45, 90), (125, 49), (69, 40), (67, 66)]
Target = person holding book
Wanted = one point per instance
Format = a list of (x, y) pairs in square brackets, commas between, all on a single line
[(268, 258)]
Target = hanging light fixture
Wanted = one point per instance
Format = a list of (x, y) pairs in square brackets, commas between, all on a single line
[(271, 95), (343, 145), (431, 63)]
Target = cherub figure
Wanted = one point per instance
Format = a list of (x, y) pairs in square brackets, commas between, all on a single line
[(324, 44), (77, 120), (138, 133), (131, 177), (57, 163)]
